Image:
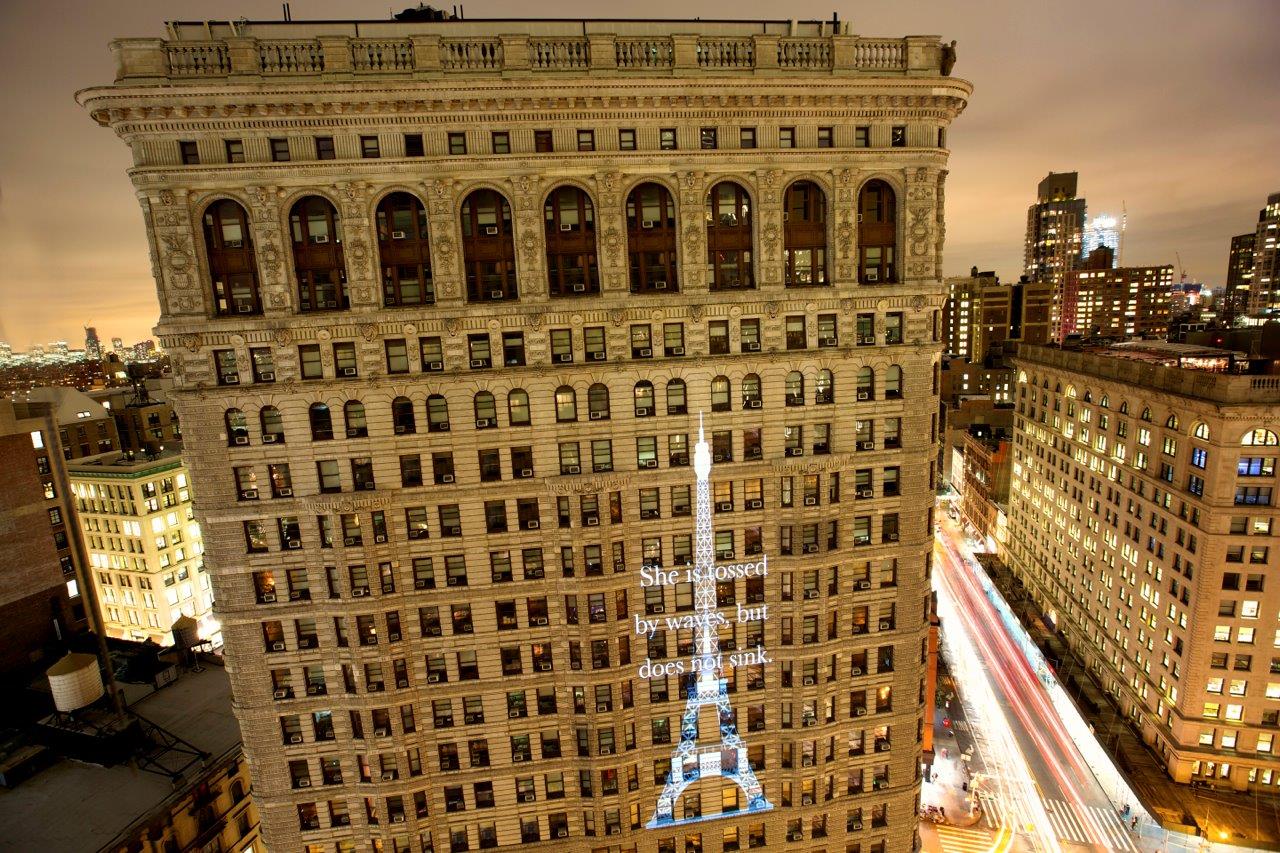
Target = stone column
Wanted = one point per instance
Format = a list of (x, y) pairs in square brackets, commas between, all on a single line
[(611, 233), (174, 260), (842, 229), (767, 222), (916, 243), (358, 247), (272, 248), (445, 233), (692, 216), (528, 230)]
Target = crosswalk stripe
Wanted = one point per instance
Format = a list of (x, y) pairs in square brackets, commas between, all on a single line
[(1065, 821), (956, 839), (1117, 830)]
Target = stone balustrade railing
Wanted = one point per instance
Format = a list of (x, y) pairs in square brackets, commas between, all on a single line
[(338, 56), (1219, 387)]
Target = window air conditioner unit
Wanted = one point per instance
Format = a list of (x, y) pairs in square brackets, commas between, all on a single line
[(885, 626), (595, 416), (395, 818), (810, 501), (646, 352), (349, 540), (302, 783), (755, 404), (648, 223), (648, 463), (433, 678), (267, 438), (828, 342), (856, 670), (267, 376), (657, 608), (864, 395), (294, 544), (277, 646), (795, 451), (806, 761), (606, 750), (315, 689), (296, 594), (597, 356), (811, 548), (517, 757), (579, 288), (359, 592), (243, 439), (564, 357), (562, 833), (810, 593), (574, 469), (435, 631), (491, 230), (267, 598), (724, 506), (891, 537), (864, 584), (446, 478), (320, 238), (285, 492), (808, 682), (244, 308), (249, 495), (540, 620), (871, 275), (859, 712), (659, 285), (348, 371), (387, 777), (496, 294), (593, 521), (230, 379), (531, 525), (435, 365), (755, 503), (420, 583), (866, 445), (295, 738), (451, 582), (864, 491), (483, 423), (281, 693), (526, 472), (401, 429)]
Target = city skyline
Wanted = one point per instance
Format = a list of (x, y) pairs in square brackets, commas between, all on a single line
[(1217, 87)]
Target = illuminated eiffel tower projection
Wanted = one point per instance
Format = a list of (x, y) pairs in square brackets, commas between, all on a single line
[(694, 759)]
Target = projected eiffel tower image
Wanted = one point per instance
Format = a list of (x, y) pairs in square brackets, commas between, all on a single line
[(694, 758)]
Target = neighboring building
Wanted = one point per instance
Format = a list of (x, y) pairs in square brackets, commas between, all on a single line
[(85, 426), (986, 479), (144, 547), (37, 566), (92, 346), (403, 290), (144, 417), (1141, 518), (187, 788), (1102, 230), (1234, 301), (1100, 300), (1264, 284), (1055, 228)]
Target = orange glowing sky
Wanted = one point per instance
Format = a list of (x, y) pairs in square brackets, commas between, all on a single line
[(1170, 106)]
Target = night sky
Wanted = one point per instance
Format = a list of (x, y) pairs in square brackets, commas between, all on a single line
[(1170, 107)]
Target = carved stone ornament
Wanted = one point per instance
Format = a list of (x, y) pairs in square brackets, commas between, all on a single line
[(692, 234), (444, 248), (283, 337), (368, 331), (917, 303), (770, 235), (535, 321), (323, 334), (695, 313), (772, 309), (617, 316), (612, 242), (166, 197), (191, 341), (528, 245), (269, 258), (449, 289), (453, 326), (278, 299), (363, 294), (358, 252)]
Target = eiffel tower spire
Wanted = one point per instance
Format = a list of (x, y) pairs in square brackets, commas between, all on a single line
[(695, 758)]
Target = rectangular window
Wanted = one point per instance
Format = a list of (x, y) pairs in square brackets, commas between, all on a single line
[(787, 137), (586, 140), (501, 142), (667, 139), (627, 139), (749, 335), (898, 136), (641, 342), (325, 149), (369, 148), (235, 150), (942, 137), (542, 142), (280, 150), (309, 361), (826, 137), (862, 137), (747, 137), (397, 356), (707, 138), (413, 146), (457, 143), (189, 153), (718, 337), (593, 341)]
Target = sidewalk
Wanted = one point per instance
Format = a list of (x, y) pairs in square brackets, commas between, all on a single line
[(949, 788), (1218, 815)]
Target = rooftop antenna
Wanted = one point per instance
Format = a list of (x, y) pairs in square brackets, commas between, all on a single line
[(1124, 220)]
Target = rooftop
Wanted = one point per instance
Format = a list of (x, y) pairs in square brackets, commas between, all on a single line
[(248, 50), (127, 463), (108, 800), (70, 406), (1187, 370)]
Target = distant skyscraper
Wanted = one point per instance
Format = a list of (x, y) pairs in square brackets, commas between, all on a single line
[(1102, 230), (1235, 295), (1264, 287), (92, 346), (1055, 225)]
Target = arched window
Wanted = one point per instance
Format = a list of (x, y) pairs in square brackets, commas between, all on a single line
[(893, 383), (877, 234), (720, 391), (571, 243), (804, 235), (794, 387), (1124, 407), (317, 255), (402, 417), (1088, 396), (233, 269), (1200, 431), (1171, 422), (486, 410), (644, 399), (651, 239), (677, 397), (566, 404), (1105, 402), (866, 384), (518, 407), (1071, 392), (1259, 437), (824, 387), (437, 413), (237, 427), (729, 237), (751, 392), (488, 250), (1146, 414), (272, 425), (405, 251), (353, 414), (321, 422), (598, 402)]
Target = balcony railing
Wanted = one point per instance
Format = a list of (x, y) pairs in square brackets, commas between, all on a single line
[(348, 51)]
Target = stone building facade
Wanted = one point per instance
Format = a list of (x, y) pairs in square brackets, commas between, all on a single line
[(1141, 517), (444, 301)]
